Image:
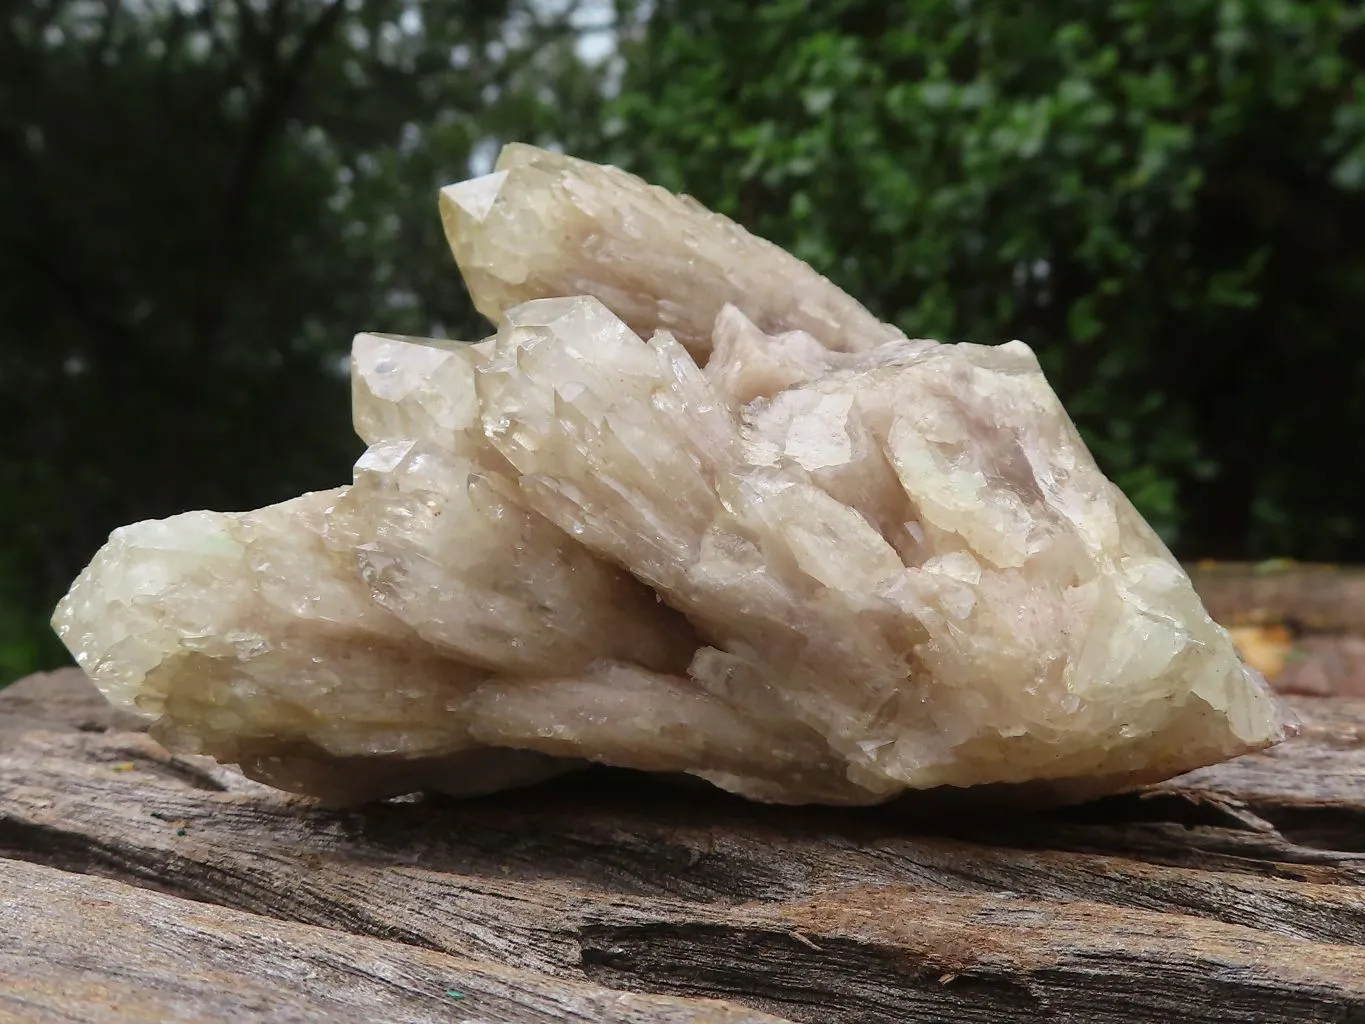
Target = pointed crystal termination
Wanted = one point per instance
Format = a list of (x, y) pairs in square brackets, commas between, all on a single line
[(544, 225), (418, 388), (439, 530), (776, 545), (453, 550), (242, 637)]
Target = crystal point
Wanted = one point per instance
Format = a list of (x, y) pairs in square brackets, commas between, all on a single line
[(545, 225), (691, 509)]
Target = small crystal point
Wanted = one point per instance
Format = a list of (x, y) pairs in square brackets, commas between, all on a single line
[(416, 387), (474, 198), (691, 509)]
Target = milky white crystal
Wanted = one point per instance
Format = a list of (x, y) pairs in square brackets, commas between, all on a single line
[(691, 509), (242, 638), (923, 525), (438, 529), (544, 225)]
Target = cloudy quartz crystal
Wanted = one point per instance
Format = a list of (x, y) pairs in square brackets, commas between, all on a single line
[(691, 509)]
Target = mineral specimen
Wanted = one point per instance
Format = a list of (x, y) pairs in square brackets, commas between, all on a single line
[(691, 509)]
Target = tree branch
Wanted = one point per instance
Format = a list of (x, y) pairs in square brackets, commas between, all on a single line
[(73, 299), (112, 10), (280, 91)]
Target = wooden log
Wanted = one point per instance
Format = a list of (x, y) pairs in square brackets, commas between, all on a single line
[(1236, 893), (885, 954), (76, 948), (102, 803)]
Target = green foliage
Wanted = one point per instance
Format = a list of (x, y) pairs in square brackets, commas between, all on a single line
[(1163, 198)]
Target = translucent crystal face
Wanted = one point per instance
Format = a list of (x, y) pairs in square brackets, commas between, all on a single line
[(692, 509), (545, 225)]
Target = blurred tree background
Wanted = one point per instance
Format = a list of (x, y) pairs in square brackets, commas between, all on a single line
[(204, 199)]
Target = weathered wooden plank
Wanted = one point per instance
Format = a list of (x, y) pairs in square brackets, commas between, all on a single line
[(80, 949), (1312, 789), (1198, 897), (521, 866), (63, 699), (883, 955), (878, 952)]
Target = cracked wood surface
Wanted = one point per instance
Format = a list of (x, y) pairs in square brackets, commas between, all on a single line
[(138, 885), (95, 950)]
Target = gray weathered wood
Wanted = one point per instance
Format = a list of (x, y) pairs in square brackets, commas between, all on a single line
[(886, 954), (118, 804), (63, 699), (1235, 893), (80, 949)]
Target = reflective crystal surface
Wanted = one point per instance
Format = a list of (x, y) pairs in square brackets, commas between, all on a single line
[(544, 225)]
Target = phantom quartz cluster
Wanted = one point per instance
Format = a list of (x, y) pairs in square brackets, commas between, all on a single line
[(691, 509)]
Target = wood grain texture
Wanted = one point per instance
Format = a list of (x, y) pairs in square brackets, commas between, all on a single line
[(886, 954), (90, 951), (1236, 893)]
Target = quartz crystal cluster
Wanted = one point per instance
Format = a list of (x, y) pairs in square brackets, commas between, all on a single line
[(691, 509)]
